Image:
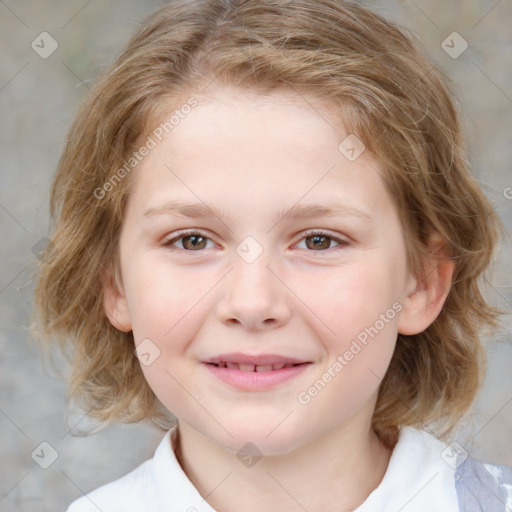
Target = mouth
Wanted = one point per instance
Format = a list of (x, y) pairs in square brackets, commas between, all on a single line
[(255, 372), (254, 368), (254, 363)]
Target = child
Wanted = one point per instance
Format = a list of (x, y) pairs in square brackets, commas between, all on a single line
[(265, 224)]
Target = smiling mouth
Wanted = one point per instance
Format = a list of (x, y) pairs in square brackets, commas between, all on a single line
[(251, 372), (253, 367)]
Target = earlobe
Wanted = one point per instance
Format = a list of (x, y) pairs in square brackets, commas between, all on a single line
[(424, 303), (114, 302)]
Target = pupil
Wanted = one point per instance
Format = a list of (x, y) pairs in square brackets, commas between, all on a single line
[(193, 240), (320, 241)]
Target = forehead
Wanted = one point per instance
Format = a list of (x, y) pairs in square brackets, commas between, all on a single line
[(231, 113), (254, 150)]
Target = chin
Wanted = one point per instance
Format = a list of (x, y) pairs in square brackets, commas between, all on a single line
[(260, 439)]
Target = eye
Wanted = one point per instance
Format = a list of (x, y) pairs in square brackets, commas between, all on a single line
[(318, 241), (195, 241), (190, 241)]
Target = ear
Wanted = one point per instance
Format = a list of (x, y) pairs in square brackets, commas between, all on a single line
[(427, 295), (114, 300)]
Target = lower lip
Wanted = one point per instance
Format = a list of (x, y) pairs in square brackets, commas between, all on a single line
[(256, 380)]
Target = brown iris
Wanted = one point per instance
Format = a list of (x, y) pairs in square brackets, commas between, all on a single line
[(194, 242), (318, 242)]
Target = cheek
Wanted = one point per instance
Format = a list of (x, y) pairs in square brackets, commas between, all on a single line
[(359, 306), (356, 297), (166, 308), (361, 312), (162, 299)]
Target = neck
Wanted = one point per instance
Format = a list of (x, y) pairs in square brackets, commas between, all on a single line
[(334, 473)]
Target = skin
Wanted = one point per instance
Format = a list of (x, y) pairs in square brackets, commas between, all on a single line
[(251, 157)]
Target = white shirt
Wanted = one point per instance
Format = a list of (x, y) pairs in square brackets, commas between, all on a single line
[(418, 479)]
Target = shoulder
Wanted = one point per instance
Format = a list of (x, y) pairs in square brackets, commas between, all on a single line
[(478, 486), (157, 485), (417, 478), (483, 487), (134, 491), (121, 494)]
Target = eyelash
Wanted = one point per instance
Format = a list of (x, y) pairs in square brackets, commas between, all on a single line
[(183, 234)]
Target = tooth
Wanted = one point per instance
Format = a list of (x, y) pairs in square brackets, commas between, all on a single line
[(222, 365), (232, 366), (277, 366), (246, 367), (264, 368)]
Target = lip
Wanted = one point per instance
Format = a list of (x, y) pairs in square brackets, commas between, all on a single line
[(255, 380), (256, 360)]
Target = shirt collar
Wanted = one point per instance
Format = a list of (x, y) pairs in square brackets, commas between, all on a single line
[(417, 478)]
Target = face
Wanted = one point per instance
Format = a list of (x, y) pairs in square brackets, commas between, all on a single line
[(263, 272)]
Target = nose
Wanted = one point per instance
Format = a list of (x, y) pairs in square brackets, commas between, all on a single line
[(254, 297)]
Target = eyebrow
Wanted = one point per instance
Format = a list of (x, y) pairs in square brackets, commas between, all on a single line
[(296, 212)]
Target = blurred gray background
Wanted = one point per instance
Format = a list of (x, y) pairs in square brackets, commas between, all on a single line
[(38, 99)]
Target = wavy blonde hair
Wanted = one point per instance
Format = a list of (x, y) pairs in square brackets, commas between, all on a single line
[(386, 91)]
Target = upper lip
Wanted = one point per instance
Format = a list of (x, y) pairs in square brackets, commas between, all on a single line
[(256, 360)]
